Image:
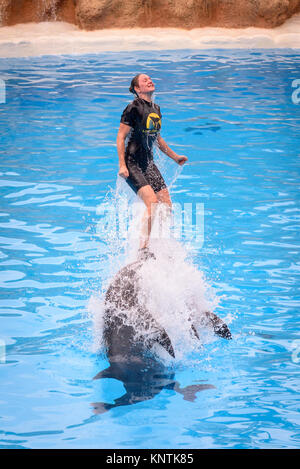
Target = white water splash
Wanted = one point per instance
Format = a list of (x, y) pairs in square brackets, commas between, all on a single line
[(170, 286), (177, 294)]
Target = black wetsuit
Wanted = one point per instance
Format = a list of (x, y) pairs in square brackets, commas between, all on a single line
[(145, 119)]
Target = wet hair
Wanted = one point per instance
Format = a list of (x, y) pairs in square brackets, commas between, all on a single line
[(134, 82)]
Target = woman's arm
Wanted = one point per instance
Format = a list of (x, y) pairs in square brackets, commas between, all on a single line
[(122, 134), (180, 159)]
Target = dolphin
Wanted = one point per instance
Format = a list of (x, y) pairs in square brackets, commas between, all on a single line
[(129, 351)]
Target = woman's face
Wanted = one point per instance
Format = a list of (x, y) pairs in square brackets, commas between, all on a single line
[(146, 85)]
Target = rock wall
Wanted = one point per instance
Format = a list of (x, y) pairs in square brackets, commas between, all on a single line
[(26, 11), (186, 14)]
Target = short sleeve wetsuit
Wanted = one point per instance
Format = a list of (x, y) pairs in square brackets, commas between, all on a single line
[(144, 118)]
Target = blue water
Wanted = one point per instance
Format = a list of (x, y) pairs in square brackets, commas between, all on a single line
[(231, 112)]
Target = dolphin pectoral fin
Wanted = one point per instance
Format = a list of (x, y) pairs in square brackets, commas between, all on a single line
[(189, 392), (104, 374), (165, 342), (163, 339), (101, 407), (160, 335), (223, 331), (220, 328), (128, 398)]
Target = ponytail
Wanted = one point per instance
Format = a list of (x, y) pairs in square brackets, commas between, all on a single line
[(134, 82)]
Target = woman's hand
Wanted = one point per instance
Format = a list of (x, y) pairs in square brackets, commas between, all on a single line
[(123, 171), (181, 159)]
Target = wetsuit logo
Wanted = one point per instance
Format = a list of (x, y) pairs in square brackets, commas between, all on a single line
[(153, 123)]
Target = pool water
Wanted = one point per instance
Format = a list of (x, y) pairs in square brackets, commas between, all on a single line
[(233, 114)]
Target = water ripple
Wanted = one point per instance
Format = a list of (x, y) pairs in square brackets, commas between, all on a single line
[(232, 114)]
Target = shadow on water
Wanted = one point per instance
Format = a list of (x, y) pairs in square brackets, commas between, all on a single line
[(143, 379)]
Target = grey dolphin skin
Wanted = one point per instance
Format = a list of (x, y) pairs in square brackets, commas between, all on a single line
[(130, 360)]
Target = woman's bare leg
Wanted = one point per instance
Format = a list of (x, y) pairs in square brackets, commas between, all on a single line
[(147, 194), (164, 198)]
